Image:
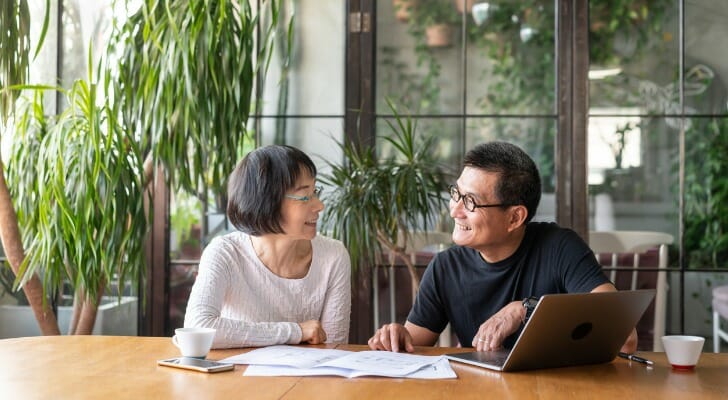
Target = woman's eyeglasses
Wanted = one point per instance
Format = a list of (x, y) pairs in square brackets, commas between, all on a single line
[(316, 193)]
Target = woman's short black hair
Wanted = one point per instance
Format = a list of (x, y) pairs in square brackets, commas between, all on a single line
[(258, 184)]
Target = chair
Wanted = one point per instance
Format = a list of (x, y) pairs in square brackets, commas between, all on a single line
[(720, 310), (624, 249)]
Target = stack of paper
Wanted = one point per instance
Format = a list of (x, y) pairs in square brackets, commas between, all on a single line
[(303, 361)]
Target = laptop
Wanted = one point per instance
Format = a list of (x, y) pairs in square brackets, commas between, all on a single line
[(568, 329)]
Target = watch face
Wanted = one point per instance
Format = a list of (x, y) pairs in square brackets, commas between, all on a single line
[(530, 302)]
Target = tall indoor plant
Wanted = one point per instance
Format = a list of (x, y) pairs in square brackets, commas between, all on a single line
[(188, 115), (14, 69), (185, 79), (376, 202), (78, 191)]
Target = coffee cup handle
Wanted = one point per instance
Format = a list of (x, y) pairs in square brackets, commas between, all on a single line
[(174, 341)]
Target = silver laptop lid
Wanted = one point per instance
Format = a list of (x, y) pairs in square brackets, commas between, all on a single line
[(572, 329)]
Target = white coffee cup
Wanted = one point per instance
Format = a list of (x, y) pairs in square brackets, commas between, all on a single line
[(682, 351), (193, 342)]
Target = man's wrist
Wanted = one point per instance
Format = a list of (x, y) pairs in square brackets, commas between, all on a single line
[(529, 304)]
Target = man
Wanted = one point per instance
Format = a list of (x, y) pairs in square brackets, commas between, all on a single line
[(500, 259)]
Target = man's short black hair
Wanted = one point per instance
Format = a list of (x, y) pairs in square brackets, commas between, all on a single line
[(258, 185), (519, 182)]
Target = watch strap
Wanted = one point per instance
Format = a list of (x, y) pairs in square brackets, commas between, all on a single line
[(529, 303)]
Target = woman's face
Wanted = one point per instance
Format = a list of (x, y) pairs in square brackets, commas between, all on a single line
[(300, 216)]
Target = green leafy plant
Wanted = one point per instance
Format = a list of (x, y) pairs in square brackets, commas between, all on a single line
[(522, 79), (7, 286), (182, 94), (433, 12), (185, 82), (706, 193), (77, 185), (14, 68), (185, 215), (376, 202)]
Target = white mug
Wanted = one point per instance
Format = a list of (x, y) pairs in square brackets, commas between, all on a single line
[(193, 342), (682, 351)]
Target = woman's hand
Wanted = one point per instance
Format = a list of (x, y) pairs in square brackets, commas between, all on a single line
[(312, 332)]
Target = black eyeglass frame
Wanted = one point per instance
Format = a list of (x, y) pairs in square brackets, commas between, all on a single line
[(456, 196)]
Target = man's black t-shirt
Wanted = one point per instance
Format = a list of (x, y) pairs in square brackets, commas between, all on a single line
[(461, 288)]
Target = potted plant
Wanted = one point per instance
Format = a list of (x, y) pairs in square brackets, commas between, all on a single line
[(78, 191), (403, 9), (15, 45), (201, 150), (438, 18), (376, 202)]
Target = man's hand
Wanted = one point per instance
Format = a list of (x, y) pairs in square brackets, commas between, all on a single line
[(391, 337), (630, 346), (312, 332), (496, 329)]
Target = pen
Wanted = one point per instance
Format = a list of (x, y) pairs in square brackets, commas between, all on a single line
[(635, 358)]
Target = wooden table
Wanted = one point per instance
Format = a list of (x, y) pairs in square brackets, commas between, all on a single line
[(108, 367)]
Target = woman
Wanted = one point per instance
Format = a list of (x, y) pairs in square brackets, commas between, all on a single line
[(275, 281)]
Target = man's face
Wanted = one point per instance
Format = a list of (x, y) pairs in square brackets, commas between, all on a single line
[(483, 228)]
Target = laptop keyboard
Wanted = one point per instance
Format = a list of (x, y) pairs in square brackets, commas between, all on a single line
[(495, 357)]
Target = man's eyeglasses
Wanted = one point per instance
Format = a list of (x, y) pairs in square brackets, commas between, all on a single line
[(469, 200), (316, 193)]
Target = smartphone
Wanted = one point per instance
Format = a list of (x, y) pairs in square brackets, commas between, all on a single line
[(196, 364)]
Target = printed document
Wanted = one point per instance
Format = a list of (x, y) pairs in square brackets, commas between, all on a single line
[(302, 361)]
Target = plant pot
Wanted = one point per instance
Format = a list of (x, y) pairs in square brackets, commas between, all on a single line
[(464, 5), (439, 35), (113, 318), (402, 9)]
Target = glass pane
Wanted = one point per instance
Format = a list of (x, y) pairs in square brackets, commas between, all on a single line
[(84, 23), (315, 136), (308, 78), (633, 54), (419, 55), (448, 143), (706, 193), (445, 154), (633, 181), (698, 305), (706, 69), (511, 62), (536, 136)]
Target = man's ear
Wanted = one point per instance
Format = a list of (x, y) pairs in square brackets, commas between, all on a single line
[(517, 215)]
